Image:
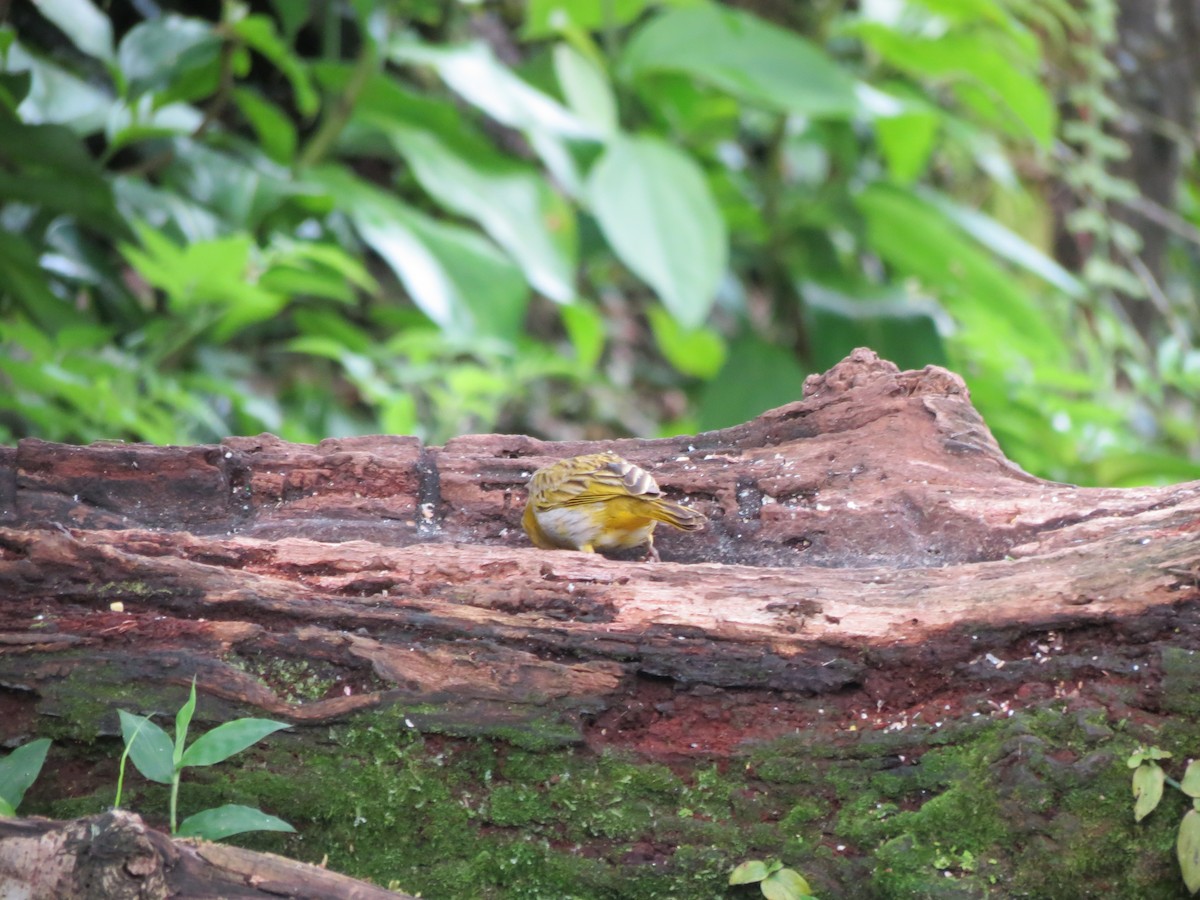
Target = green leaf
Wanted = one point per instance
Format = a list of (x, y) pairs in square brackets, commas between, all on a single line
[(699, 352), (88, 28), (1190, 783), (751, 871), (19, 770), (545, 18), (999, 86), (514, 205), (276, 134), (744, 56), (586, 88), (473, 72), (455, 277), (906, 141), (999, 313), (49, 166), (785, 884), (14, 88), (1147, 789), (1187, 848), (223, 821), (6, 808), (57, 96), (757, 376), (172, 56), (151, 750), (206, 277), (585, 328), (23, 278), (226, 740), (183, 719), (898, 324), (658, 214), (259, 32), (1005, 243)]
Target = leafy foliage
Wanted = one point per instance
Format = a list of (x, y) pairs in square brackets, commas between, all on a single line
[(162, 759), (578, 219), (1148, 781), (18, 771)]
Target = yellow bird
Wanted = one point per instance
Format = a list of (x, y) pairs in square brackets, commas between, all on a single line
[(599, 502)]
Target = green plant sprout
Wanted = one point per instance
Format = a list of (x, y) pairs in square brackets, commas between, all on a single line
[(1148, 781), (18, 771), (160, 759), (775, 882)]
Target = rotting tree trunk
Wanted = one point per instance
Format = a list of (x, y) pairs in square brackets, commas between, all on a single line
[(872, 527)]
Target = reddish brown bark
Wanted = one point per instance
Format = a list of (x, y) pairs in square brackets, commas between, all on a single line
[(873, 526)]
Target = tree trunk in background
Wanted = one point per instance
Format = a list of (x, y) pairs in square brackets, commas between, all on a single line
[(1158, 58)]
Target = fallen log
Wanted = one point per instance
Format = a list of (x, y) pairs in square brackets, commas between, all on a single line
[(116, 855), (875, 523)]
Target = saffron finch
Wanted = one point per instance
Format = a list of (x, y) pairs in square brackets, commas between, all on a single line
[(599, 502)]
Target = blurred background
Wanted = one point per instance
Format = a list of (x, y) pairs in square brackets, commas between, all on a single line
[(599, 218)]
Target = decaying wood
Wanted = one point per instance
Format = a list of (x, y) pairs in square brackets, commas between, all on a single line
[(874, 523), (115, 855)]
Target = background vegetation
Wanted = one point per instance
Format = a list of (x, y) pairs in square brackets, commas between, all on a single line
[(583, 219)]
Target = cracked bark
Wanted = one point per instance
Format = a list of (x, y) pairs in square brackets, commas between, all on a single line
[(849, 531)]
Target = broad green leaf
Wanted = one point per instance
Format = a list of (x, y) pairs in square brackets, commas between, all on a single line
[(699, 352), (455, 277), (897, 325), (398, 414), (785, 884), (585, 328), (14, 88), (997, 86), (1005, 243), (48, 166), (473, 72), (1147, 789), (292, 16), (176, 56), (276, 134), (740, 54), (183, 718), (514, 205), (88, 28), (19, 770), (151, 750), (226, 740), (658, 214), (1190, 783), (919, 241), (751, 871), (57, 96), (6, 808), (244, 189), (757, 376), (224, 821), (1187, 848), (586, 88), (545, 18), (23, 278), (906, 141)]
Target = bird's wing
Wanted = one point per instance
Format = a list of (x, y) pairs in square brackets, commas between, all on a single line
[(593, 479)]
